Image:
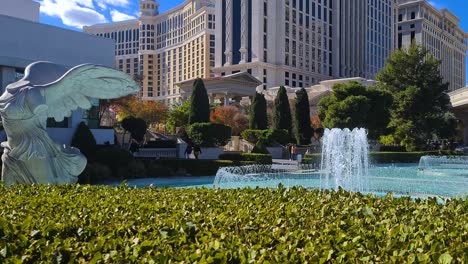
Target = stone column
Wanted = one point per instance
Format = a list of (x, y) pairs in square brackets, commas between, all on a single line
[(226, 99), (211, 98), (229, 14), (244, 31)]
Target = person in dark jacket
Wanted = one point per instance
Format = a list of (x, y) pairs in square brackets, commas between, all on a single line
[(197, 151)]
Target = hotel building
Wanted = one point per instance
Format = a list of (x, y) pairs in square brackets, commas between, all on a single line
[(300, 43), (279, 42), (365, 36), (161, 50), (439, 32)]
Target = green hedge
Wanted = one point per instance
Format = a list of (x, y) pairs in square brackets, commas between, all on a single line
[(99, 224), (270, 136), (189, 166), (209, 135), (385, 157), (254, 157)]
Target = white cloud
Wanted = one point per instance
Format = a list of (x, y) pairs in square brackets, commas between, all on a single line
[(121, 3), (74, 13), (118, 16)]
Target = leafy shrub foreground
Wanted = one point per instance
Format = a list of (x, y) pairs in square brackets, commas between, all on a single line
[(60, 224)]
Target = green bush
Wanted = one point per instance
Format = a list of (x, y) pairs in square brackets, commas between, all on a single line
[(100, 224), (253, 135), (83, 139), (270, 135), (114, 158), (260, 147), (278, 135), (209, 135), (189, 166), (254, 157)]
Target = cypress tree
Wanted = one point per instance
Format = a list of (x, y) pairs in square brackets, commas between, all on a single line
[(84, 140), (282, 111), (258, 113), (199, 104), (303, 130)]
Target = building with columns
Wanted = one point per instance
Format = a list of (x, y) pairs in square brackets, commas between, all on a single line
[(439, 32), (299, 43), (279, 42), (364, 36), (163, 49)]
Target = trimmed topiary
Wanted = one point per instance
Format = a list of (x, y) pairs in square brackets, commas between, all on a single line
[(258, 118), (209, 135), (303, 130), (199, 104), (84, 140)]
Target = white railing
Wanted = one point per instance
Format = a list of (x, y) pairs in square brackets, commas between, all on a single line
[(156, 153)]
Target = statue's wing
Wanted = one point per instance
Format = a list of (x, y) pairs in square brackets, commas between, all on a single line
[(76, 88)]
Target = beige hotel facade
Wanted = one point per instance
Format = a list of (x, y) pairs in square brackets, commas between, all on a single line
[(161, 50)]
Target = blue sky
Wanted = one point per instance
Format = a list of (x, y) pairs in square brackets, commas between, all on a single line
[(73, 14)]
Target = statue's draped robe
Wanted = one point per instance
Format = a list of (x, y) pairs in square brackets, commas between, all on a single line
[(30, 156)]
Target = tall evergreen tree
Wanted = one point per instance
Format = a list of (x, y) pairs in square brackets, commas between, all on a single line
[(258, 118), (199, 104), (303, 130), (84, 140), (282, 111), (420, 105)]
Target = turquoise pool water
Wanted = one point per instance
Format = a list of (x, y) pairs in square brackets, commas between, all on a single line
[(401, 179)]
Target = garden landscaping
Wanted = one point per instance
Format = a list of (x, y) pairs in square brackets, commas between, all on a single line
[(95, 224)]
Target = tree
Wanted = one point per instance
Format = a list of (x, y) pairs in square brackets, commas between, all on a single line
[(420, 106), (151, 111), (136, 126), (178, 117), (353, 105), (258, 118), (229, 116), (199, 104), (84, 140), (282, 111), (303, 130)]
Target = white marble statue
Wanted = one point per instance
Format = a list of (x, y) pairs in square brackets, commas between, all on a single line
[(49, 90)]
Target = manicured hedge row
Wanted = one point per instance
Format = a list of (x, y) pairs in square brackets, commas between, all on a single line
[(254, 157), (81, 224), (384, 157), (141, 168)]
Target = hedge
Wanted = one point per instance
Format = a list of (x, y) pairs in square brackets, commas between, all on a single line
[(384, 157), (209, 135), (100, 224), (255, 157), (270, 136), (190, 166)]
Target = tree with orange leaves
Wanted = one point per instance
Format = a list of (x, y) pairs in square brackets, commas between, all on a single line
[(230, 116), (151, 111)]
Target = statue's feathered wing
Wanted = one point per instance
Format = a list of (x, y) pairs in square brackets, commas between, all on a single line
[(78, 86)]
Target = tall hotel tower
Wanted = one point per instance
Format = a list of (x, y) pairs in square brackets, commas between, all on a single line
[(299, 43), (280, 42), (439, 32), (365, 36), (164, 49)]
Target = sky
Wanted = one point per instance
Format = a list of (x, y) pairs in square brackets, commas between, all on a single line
[(74, 14)]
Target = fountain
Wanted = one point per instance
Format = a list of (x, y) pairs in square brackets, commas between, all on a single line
[(345, 164), (444, 165), (345, 160)]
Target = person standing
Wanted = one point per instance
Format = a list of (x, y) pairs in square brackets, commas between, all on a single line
[(294, 151), (188, 150), (197, 151)]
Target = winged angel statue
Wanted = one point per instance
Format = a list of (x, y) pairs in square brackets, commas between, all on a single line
[(49, 90)]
